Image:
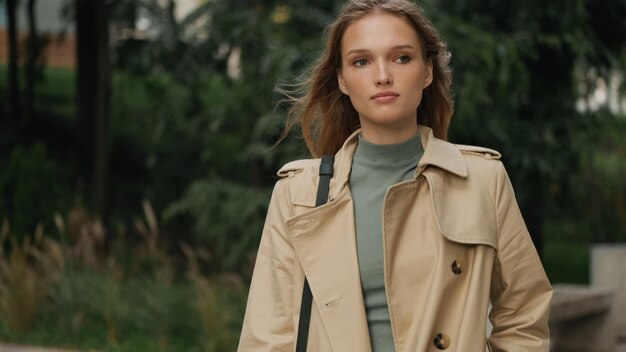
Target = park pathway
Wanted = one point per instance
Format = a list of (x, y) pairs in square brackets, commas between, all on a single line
[(18, 348)]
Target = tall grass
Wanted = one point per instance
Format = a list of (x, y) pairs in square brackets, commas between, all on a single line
[(220, 302), (27, 272), (120, 291)]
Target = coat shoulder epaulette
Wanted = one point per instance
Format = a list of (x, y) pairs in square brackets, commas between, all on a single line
[(479, 151), (296, 166)]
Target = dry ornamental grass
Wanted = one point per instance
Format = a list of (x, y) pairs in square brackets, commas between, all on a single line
[(27, 272)]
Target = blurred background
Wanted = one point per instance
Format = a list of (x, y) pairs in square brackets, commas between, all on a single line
[(137, 158)]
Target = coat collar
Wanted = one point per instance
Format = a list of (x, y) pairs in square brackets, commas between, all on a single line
[(437, 152), (324, 240), (441, 154)]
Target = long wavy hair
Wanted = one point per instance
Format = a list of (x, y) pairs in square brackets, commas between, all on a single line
[(326, 116)]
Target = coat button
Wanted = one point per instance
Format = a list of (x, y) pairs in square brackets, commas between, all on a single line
[(441, 341), (456, 268)]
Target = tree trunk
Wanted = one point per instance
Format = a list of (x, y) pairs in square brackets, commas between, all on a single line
[(33, 54), (171, 14), (93, 96), (172, 24), (13, 107)]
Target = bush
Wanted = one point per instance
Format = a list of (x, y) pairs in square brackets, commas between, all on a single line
[(228, 216), (31, 185)]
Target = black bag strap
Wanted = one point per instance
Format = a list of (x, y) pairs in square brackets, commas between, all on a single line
[(326, 172)]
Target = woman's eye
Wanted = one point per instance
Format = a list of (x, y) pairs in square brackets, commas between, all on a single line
[(403, 59), (360, 62)]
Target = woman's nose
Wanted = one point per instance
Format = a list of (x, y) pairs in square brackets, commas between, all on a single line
[(383, 77)]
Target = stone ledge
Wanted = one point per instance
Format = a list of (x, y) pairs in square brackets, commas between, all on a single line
[(582, 319), (570, 302)]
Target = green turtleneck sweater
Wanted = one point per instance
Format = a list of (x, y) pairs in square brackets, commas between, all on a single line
[(374, 169)]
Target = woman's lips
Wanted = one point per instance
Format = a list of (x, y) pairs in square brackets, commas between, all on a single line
[(385, 97)]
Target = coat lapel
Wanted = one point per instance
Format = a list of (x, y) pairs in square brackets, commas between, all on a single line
[(324, 241)]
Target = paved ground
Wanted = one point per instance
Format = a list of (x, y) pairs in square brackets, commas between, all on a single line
[(16, 348)]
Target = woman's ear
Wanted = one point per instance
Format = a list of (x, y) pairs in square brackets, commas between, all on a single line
[(342, 82), (429, 73)]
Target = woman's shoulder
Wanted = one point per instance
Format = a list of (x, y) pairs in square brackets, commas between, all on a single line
[(472, 150), (484, 165), (297, 167), (298, 181)]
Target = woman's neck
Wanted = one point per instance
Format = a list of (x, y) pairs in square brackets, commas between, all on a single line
[(378, 135)]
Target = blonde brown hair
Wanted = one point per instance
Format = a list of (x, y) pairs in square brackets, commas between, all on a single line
[(326, 116)]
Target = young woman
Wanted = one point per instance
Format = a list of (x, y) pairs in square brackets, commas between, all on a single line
[(419, 236)]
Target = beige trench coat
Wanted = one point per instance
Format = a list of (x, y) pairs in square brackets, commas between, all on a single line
[(454, 241)]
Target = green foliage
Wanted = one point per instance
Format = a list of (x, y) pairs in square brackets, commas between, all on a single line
[(228, 216), (54, 90), (31, 184), (574, 270), (514, 81), (207, 80), (602, 197), (155, 144)]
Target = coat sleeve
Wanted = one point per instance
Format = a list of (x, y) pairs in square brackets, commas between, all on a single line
[(520, 290), (268, 324)]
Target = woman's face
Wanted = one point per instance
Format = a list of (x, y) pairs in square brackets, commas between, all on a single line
[(383, 71)]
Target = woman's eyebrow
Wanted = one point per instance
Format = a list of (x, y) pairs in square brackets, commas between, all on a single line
[(395, 47), (403, 47), (357, 51)]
